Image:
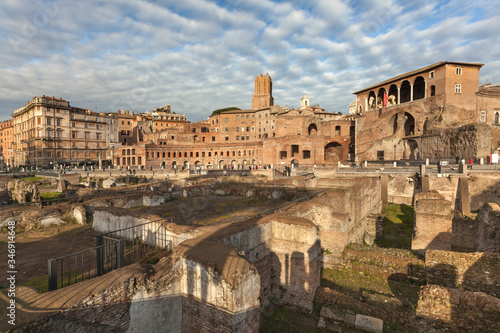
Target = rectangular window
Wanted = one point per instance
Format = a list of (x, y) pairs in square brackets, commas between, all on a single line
[(248, 137), (227, 129), (58, 122), (295, 150), (483, 116), (243, 129), (227, 119), (87, 135), (98, 136), (237, 137), (458, 70), (227, 138), (238, 116), (73, 135), (213, 138), (283, 154), (458, 88), (380, 155), (306, 154), (237, 129), (97, 126), (86, 125), (253, 129), (48, 121)]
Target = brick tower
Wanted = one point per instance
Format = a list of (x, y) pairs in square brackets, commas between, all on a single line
[(263, 96)]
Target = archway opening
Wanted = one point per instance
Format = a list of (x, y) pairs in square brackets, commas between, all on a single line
[(418, 88), (405, 91), (333, 152), (372, 100), (392, 95), (409, 124), (394, 123), (312, 129)]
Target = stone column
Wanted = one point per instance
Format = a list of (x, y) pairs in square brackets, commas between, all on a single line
[(384, 181), (399, 95), (411, 92), (464, 202)]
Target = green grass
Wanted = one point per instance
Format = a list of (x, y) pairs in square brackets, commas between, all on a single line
[(284, 319), (34, 178), (398, 226), (49, 195)]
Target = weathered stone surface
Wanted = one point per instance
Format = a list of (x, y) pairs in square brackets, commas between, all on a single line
[(332, 314), (369, 324)]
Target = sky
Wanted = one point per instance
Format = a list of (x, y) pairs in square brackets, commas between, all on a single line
[(200, 55)]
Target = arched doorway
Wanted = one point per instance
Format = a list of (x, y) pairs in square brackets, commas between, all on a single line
[(185, 165), (312, 129), (405, 91), (380, 97), (392, 95), (372, 100), (333, 152), (409, 124), (294, 164), (222, 164), (418, 88), (174, 164)]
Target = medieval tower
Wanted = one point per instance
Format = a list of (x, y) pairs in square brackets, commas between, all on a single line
[(263, 96)]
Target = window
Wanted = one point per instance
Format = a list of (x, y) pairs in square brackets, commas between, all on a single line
[(227, 138), (48, 121), (283, 154), (73, 134), (458, 88), (86, 125), (213, 138), (380, 155), (306, 154), (85, 118), (237, 129), (248, 137), (458, 70), (247, 116), (243, 129), (226, 120), (227, 129), (98, 136), (337, 130), (253, 129), (238, 116), (483, 116), (431, 74), (58, 122), (237, 137), (87, 135), (97, 126), (496, 120)]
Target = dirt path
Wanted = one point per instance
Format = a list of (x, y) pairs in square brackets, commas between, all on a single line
[(35, 247)]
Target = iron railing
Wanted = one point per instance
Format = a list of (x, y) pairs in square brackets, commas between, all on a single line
[(84, 265), (113, 250)]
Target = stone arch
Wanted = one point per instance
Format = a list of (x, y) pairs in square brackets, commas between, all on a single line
[(392, 95), (294, 163), (372, 100), (174, 163), (333, 152), (185, 164), (360, 109), (418, 88), (409, 124), (197, 163), (312, 129), (204, 130), (222, 163), (405, 91), (380, 97)]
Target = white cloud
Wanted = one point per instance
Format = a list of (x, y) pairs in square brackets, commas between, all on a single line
[(200, 55)]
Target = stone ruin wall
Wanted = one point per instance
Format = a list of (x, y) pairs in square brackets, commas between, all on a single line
[(483, 188)]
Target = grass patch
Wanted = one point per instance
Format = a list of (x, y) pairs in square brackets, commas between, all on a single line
[(47, 196), (41, 283), (395, 295), (398, 226), (34, 178), (284, 319)]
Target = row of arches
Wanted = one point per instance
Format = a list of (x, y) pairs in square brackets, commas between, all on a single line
[(221, 164), (167, 154), (406, 92)]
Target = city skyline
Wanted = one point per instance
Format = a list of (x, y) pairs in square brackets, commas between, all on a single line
[(199, 56)]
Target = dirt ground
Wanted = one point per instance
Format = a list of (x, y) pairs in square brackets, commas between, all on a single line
[(35, 247)]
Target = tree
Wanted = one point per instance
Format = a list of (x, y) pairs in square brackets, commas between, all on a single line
[(215, 112)]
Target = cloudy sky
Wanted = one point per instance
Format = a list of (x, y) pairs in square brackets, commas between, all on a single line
[(200, 55)]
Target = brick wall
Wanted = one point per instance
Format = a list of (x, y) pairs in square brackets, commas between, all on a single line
[(451, 310)]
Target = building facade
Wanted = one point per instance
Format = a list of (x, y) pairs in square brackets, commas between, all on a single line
[(433, 112), (6, 143), (48, 131)]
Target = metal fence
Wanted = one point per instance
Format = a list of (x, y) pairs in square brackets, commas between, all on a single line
[(84, 265), (113, 250)]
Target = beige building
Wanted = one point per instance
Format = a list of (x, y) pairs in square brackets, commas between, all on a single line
[(48, 131)]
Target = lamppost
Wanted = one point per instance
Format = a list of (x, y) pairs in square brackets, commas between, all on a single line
[(394, 153)]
